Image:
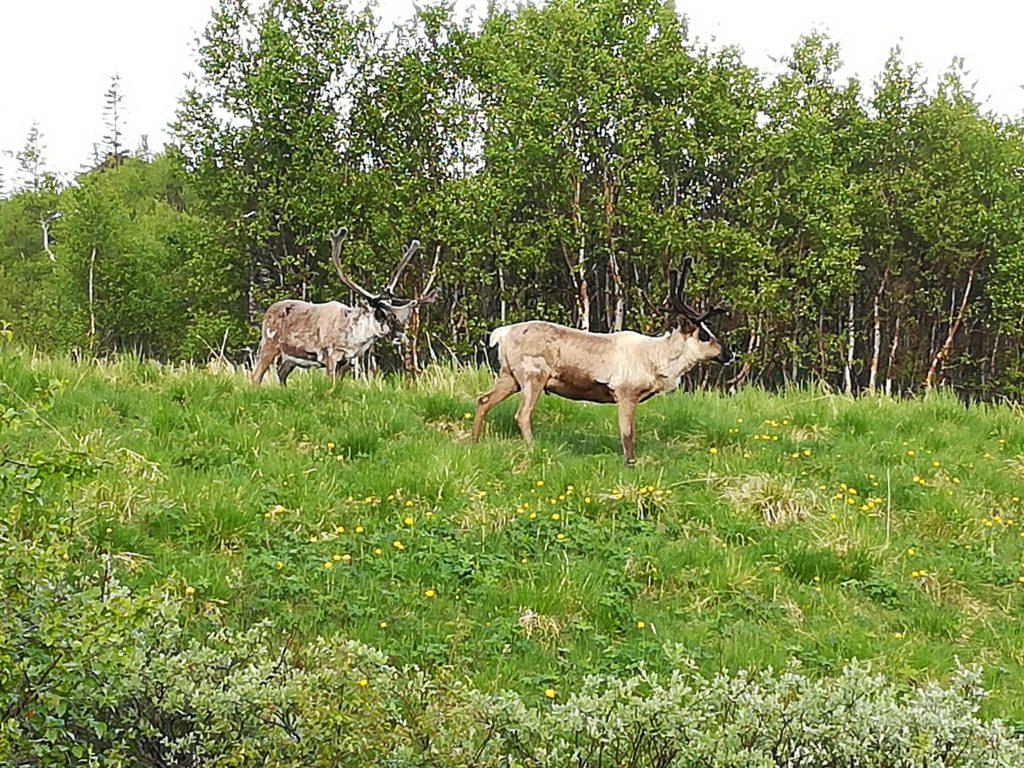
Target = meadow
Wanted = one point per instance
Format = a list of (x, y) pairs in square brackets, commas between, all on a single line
[(755, 530)]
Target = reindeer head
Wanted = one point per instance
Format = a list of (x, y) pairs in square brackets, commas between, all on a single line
[(692, 323), (391, 313)]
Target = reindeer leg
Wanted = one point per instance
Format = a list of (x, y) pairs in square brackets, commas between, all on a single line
[(284, 370), (342, 367), (504, 387), (627, 417), (266, 355), (531, 392), (330, 366)]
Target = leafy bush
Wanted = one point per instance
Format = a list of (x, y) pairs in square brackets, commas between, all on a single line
[(91, 674)]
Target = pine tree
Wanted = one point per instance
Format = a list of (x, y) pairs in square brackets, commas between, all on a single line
[(114, 153), (30, 160)]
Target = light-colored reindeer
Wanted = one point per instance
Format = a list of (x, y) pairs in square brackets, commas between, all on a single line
[(332, 335), (624, 368)]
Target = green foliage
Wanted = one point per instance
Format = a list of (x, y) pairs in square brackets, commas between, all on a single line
[(557, 159)]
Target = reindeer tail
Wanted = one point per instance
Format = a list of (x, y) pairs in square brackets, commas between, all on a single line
[(498, 334)]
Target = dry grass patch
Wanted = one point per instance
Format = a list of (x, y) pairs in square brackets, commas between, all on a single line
[(546, 629), (779, 500)]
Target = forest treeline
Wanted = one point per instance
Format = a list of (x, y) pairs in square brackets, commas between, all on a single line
[(559, 158)]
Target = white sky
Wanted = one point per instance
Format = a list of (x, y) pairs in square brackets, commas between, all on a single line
[(57, 57)]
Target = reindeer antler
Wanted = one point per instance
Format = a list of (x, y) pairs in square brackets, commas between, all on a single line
[(410, 251), (337, 240), (429, 292), (677, 289)]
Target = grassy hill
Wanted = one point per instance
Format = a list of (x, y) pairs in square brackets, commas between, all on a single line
[(755, 529)]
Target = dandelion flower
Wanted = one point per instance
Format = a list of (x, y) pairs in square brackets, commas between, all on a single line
[(383, 625), (398, 545), (560, 537), (713, 451), (409, 502), (911, 551), (540, 483), (346, 558), (378, 551), (550, 693), (556, 517), (328, 565), (330, 446), (337, 558), (408, 521), (363, 683), (360, 529), (429, 594), (279, 565), (190, 591), (641, 625), (586, 500), (911, 453)]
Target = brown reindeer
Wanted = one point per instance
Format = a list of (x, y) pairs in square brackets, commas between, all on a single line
[(332, 335), (625, 368)]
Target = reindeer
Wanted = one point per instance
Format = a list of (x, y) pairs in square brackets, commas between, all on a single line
[(301, 334), (625, 368)]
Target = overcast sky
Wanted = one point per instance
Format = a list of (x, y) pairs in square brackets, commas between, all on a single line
[(57, 56)]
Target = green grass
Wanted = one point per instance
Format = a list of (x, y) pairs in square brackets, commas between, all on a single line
[(754, 529)]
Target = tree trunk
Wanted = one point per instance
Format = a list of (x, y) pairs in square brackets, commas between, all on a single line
[(755, 341), (947, 346), (502, 305), (92, 299), (582, 292), (892, 357), (876, 347), (850, 338)]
